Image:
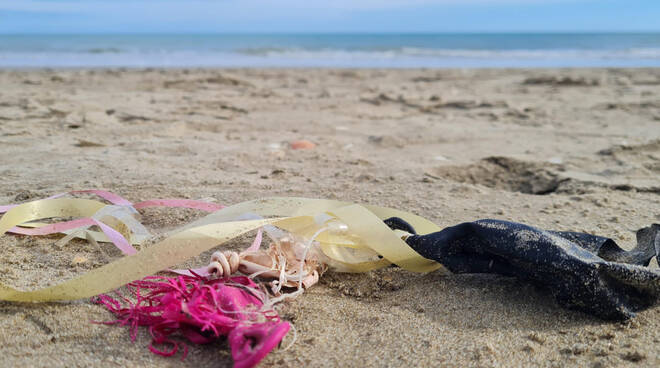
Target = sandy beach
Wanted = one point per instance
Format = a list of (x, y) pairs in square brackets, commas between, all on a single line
[(563, 149)]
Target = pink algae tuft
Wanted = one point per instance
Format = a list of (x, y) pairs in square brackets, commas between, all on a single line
[(201, 310)]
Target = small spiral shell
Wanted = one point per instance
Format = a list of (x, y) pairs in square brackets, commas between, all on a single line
[(224, 264)]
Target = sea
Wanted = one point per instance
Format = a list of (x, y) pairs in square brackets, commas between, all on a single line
[(503, 50)]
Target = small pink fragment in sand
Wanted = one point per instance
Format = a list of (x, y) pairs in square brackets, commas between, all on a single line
[(302, 144)]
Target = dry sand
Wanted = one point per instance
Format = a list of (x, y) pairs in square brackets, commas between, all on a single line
[(560, 149)]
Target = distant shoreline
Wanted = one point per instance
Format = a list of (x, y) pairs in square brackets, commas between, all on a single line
[(458, 50)]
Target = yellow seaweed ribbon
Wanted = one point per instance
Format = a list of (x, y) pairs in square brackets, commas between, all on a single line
[(368, 243)]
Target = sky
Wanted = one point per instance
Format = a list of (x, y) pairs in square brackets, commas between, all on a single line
[(327, 16)]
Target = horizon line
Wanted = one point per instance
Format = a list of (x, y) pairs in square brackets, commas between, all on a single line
[(265, 33)]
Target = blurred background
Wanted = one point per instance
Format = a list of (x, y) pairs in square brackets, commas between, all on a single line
[(344, 33)]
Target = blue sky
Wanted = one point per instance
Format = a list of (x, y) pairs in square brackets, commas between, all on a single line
[(292, 16)]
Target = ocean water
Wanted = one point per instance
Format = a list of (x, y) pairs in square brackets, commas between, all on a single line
[(333, 50)]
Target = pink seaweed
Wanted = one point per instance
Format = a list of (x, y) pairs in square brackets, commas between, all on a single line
[(201, 310)]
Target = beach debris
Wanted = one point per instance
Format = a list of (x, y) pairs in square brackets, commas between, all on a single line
[(436, 104), (554, 80), (128, 117), (583, 271), (201, 310), (184, 306), (287, 262), (429, 79), (85, 143), (215, 79), (302, 144)]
